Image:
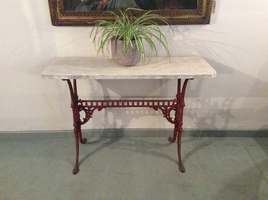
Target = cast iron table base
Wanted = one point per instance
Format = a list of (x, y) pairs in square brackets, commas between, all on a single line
[(166, 106)]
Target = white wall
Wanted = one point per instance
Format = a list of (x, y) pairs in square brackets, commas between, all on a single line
[(236, 44)]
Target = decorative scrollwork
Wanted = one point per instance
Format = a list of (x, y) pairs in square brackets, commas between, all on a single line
[(88, 113), (88, 107), (167, 113)]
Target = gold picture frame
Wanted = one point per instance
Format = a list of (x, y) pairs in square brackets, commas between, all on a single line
[(62, 17)]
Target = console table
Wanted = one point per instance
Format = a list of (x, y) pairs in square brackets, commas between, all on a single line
[(183, 69)]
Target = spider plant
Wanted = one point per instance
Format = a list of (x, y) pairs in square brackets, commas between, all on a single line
[(135, 28)]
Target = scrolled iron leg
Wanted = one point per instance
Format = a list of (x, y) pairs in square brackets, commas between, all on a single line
[(76, 121), (77, 130), (83, 140), (179, 121), (180, 163), (76, 165), (173, 138)]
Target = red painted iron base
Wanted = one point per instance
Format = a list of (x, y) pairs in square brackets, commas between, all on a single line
[(167, 107)]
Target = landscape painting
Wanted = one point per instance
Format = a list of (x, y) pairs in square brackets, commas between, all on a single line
[(107, 5), (87, 12)]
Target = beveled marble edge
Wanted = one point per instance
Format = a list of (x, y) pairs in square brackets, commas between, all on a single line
[(95, 77), (74, 64)]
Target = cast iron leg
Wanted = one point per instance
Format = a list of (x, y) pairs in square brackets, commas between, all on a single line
[(175, 134), (83, 140), (76, 122), (180, 163), (179, 121), (76, 165), (173, 138)]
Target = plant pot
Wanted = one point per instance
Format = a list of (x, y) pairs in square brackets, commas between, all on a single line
[(128, 57)]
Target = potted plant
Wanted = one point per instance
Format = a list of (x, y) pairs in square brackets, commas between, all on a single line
[(128, 34)]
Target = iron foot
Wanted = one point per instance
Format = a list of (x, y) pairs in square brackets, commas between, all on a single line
[(83, 140), (172, 139), (75, 170), (181, 167)]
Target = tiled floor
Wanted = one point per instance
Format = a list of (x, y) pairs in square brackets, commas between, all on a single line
[(38, 166)]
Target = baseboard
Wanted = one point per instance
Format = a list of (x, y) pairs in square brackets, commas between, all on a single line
[(148, 132)]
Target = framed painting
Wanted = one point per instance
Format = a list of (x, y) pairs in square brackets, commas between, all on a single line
[(86, 12)]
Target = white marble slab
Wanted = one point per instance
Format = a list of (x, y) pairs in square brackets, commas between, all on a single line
[(104, 68)]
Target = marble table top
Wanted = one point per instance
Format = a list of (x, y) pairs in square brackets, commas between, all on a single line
[(104, 68)]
